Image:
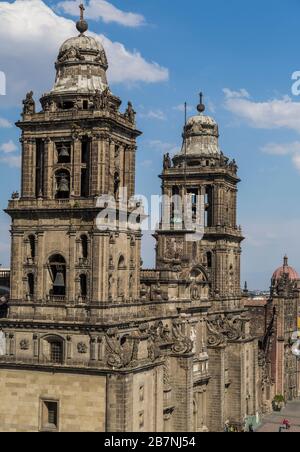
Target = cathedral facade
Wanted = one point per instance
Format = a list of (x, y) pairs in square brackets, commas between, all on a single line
[(92, 341)]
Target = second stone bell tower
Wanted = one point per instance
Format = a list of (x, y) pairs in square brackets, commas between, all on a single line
[(78, 147)]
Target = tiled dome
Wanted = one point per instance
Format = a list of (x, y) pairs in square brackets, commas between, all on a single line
[(285, 269)]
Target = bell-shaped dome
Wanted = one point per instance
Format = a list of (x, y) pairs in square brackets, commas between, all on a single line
[(285, 269), (81, 65), (82, 43), (201, 135)]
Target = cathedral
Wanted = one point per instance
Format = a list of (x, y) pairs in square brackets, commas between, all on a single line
[(92, 341)]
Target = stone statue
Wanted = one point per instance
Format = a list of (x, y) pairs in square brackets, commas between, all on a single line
[(167, 161), (104, 99), (130, 113), (97, 100), (29, 104)]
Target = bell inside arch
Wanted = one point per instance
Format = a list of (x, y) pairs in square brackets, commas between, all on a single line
[(64, 152), (63, 185), (59, 279)]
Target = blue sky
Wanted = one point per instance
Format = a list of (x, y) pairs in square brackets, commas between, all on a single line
[(174, 50)]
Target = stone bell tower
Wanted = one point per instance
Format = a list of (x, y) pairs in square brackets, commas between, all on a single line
[(78, 147), (202, 174)]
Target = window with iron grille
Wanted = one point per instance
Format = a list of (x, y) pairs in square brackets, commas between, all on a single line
[(56, 350), (49, 415)]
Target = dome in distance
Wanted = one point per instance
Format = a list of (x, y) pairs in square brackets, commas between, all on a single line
[(285, 269)]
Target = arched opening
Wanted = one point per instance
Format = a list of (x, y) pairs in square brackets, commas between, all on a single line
[(63, 150), (176, 205), (121, 278), (117, 182), (62, 181), (84, 246), (31, 251), (209, 259), (57, 270), (121, 264), (30, 284), (83, 285)]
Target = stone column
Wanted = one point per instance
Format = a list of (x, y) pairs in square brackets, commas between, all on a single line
[(28, 168), (48, 164), (99, 292), (95, 165), (17, 260), (72, 264), (182, 384), (40, 295), (76, 176), (104, 146), (110, 161), (216, 390)]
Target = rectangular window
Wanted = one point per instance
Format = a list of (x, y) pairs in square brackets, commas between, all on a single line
[(49, 421)]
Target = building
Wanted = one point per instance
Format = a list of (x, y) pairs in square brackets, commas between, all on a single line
[(92, 342), (274, 320)]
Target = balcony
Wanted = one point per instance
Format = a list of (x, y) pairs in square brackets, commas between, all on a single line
[(56, 298)]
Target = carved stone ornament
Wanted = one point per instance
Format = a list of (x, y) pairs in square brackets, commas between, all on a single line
[(24, 344), (225, 327), (121, 351), (82, 348), (183, 344)]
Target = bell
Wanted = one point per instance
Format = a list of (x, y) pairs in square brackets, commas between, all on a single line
[(63, 185), (59, 280), (64, 152)]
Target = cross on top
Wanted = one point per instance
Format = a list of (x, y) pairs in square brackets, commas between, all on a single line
[(82, 9)]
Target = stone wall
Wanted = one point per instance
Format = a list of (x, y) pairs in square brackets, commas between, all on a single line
[(82, 400)]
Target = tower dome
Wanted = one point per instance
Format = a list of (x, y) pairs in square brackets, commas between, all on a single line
[(287, 270), (81, 64), (201, 135)]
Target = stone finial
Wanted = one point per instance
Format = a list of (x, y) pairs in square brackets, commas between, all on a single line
[(285, 261), (82, 25), (201, 106)]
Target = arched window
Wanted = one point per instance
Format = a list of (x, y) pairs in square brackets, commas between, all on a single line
[(57, 270), (53, 349), (31, 240), (209, 259), (84, 246), (62, 182), (83, 285), (121, 277), (63, 150), (30, 284), (117, 182), (121, 264)]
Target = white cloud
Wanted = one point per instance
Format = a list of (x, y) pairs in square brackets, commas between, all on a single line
[(8, 147), (154, 114), (5, 124), (163, 147), (31, 34), (282, 149), (272, 114), (146, 163), (13, 161), (242, 93), (8, 156), (181, 108), (101, 9), (296, 161)]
